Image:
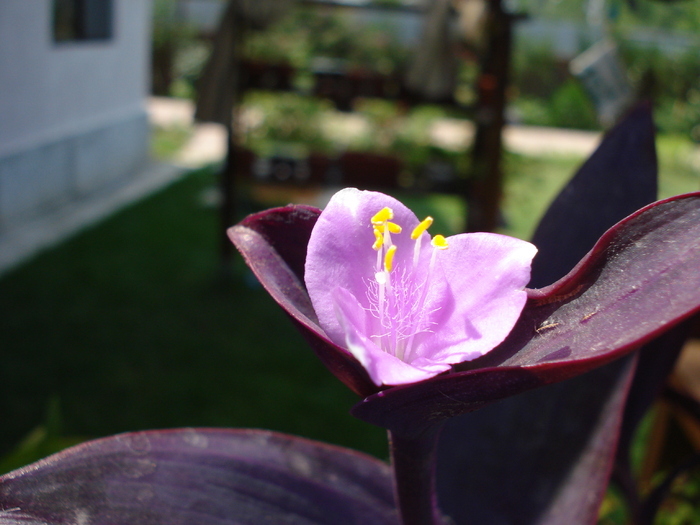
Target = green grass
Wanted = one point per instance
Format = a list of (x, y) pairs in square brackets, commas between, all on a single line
[(166, 142), (130, 327), (533, 182), (679, 165)]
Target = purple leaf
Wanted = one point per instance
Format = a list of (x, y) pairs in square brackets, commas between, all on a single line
[(558, 468), (509, 463), (273, 243), (639, 280), (619, 178), (656, 361), (200, 476)]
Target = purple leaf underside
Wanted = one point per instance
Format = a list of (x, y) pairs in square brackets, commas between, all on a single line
[(557, 469), (202, 477), (619, 178), (505, 465), (273, 243)]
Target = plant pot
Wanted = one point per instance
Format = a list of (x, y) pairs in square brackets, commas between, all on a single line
[(263, 75)]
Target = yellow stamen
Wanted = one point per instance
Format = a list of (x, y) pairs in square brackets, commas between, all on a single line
[(378, 240), (424, 225), (439, 242), (382, 216), (389, 258), (393, 227), (382, 227)]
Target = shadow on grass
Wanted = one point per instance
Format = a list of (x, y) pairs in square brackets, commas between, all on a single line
[(129, 326)]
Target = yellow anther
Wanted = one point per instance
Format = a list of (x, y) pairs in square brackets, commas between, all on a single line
[(382, 216), (439, 242), (393, 227), (378, 240), (389, 258), (382, 227), (422, 226)]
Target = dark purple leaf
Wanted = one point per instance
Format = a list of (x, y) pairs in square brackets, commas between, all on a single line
[(200, 476), (619, 178), (506, 465), (640, 279), (557, 469), (273, 243)]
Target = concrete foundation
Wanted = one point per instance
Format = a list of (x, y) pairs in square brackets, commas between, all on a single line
[(74, 167)]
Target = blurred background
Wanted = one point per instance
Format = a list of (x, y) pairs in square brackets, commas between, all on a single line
[(132, 132)]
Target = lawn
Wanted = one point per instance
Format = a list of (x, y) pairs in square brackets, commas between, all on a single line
[(129, 325)]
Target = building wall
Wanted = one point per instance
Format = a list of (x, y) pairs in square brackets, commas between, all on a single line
[(72, 114)]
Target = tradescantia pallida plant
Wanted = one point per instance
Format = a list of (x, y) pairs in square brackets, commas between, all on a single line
[(428, 331)]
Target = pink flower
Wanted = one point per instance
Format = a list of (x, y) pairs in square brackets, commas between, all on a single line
[(407, 306)]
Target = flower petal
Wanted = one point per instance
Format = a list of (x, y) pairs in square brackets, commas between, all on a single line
[(383, 368), (340, 254), (468, 296), (487, 274)]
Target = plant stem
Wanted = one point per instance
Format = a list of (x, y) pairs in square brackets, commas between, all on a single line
[(413, 461)]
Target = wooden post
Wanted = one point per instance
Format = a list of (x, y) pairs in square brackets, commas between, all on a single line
[(227, 189), (485, 185)]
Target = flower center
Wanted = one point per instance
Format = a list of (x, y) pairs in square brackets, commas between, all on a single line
[(397, 294)]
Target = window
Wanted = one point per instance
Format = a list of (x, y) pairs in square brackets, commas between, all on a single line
[(82, 20)]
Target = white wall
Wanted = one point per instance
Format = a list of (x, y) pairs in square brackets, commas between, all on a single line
[(72, 115), (47, 89)]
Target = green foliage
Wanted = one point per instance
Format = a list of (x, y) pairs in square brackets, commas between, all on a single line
[(166, 142), (545, 92), (465, 91), (613, 510), (568, 107), (679, 165), (672, 81), (681, 508), (532, 182), (188, 62), (284, 118), (272, 120), (178, 54), (307, 33), (42, 441), (536, 71), (553, 9), (168, 28), (571, 107), (677, 17), (384, 121)]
